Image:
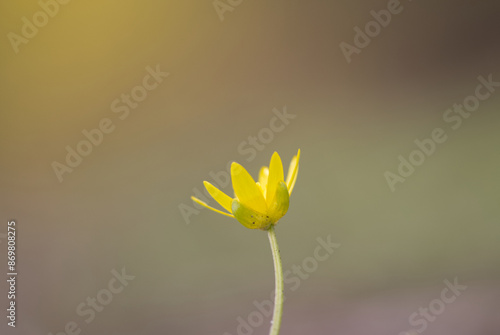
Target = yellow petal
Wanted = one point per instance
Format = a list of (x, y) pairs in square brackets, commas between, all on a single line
[(222, 198), (263, 176), (291, 168), (292, 185), (211, 208), (260, 188), (293, 171), (246, 190), (281, 202), (250, 218), (275, 176)]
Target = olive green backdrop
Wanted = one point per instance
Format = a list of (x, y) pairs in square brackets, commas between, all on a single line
[(124, 204)]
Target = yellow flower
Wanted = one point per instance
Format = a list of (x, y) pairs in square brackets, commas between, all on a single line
[(257, 204)]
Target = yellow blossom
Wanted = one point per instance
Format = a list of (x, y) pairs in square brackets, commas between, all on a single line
[(257, 204)]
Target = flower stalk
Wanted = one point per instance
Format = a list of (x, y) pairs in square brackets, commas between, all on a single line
[(278, 275)]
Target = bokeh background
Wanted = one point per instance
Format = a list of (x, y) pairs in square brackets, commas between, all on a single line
[(121, 207)]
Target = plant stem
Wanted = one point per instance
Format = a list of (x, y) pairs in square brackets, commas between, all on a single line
[(278, 275)]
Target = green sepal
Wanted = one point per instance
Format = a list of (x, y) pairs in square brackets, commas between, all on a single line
[(280, 204), (249, 217)]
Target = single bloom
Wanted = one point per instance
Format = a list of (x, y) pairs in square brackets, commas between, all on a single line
[(257, 205)]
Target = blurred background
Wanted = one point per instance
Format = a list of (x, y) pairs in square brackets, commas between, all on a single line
[(69, 68)]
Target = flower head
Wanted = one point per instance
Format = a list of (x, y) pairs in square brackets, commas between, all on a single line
[(257, 204)]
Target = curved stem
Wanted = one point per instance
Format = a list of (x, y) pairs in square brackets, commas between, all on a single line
[(278, 274)]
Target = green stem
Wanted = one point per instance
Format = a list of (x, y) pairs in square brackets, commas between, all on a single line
[(278, 274)]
